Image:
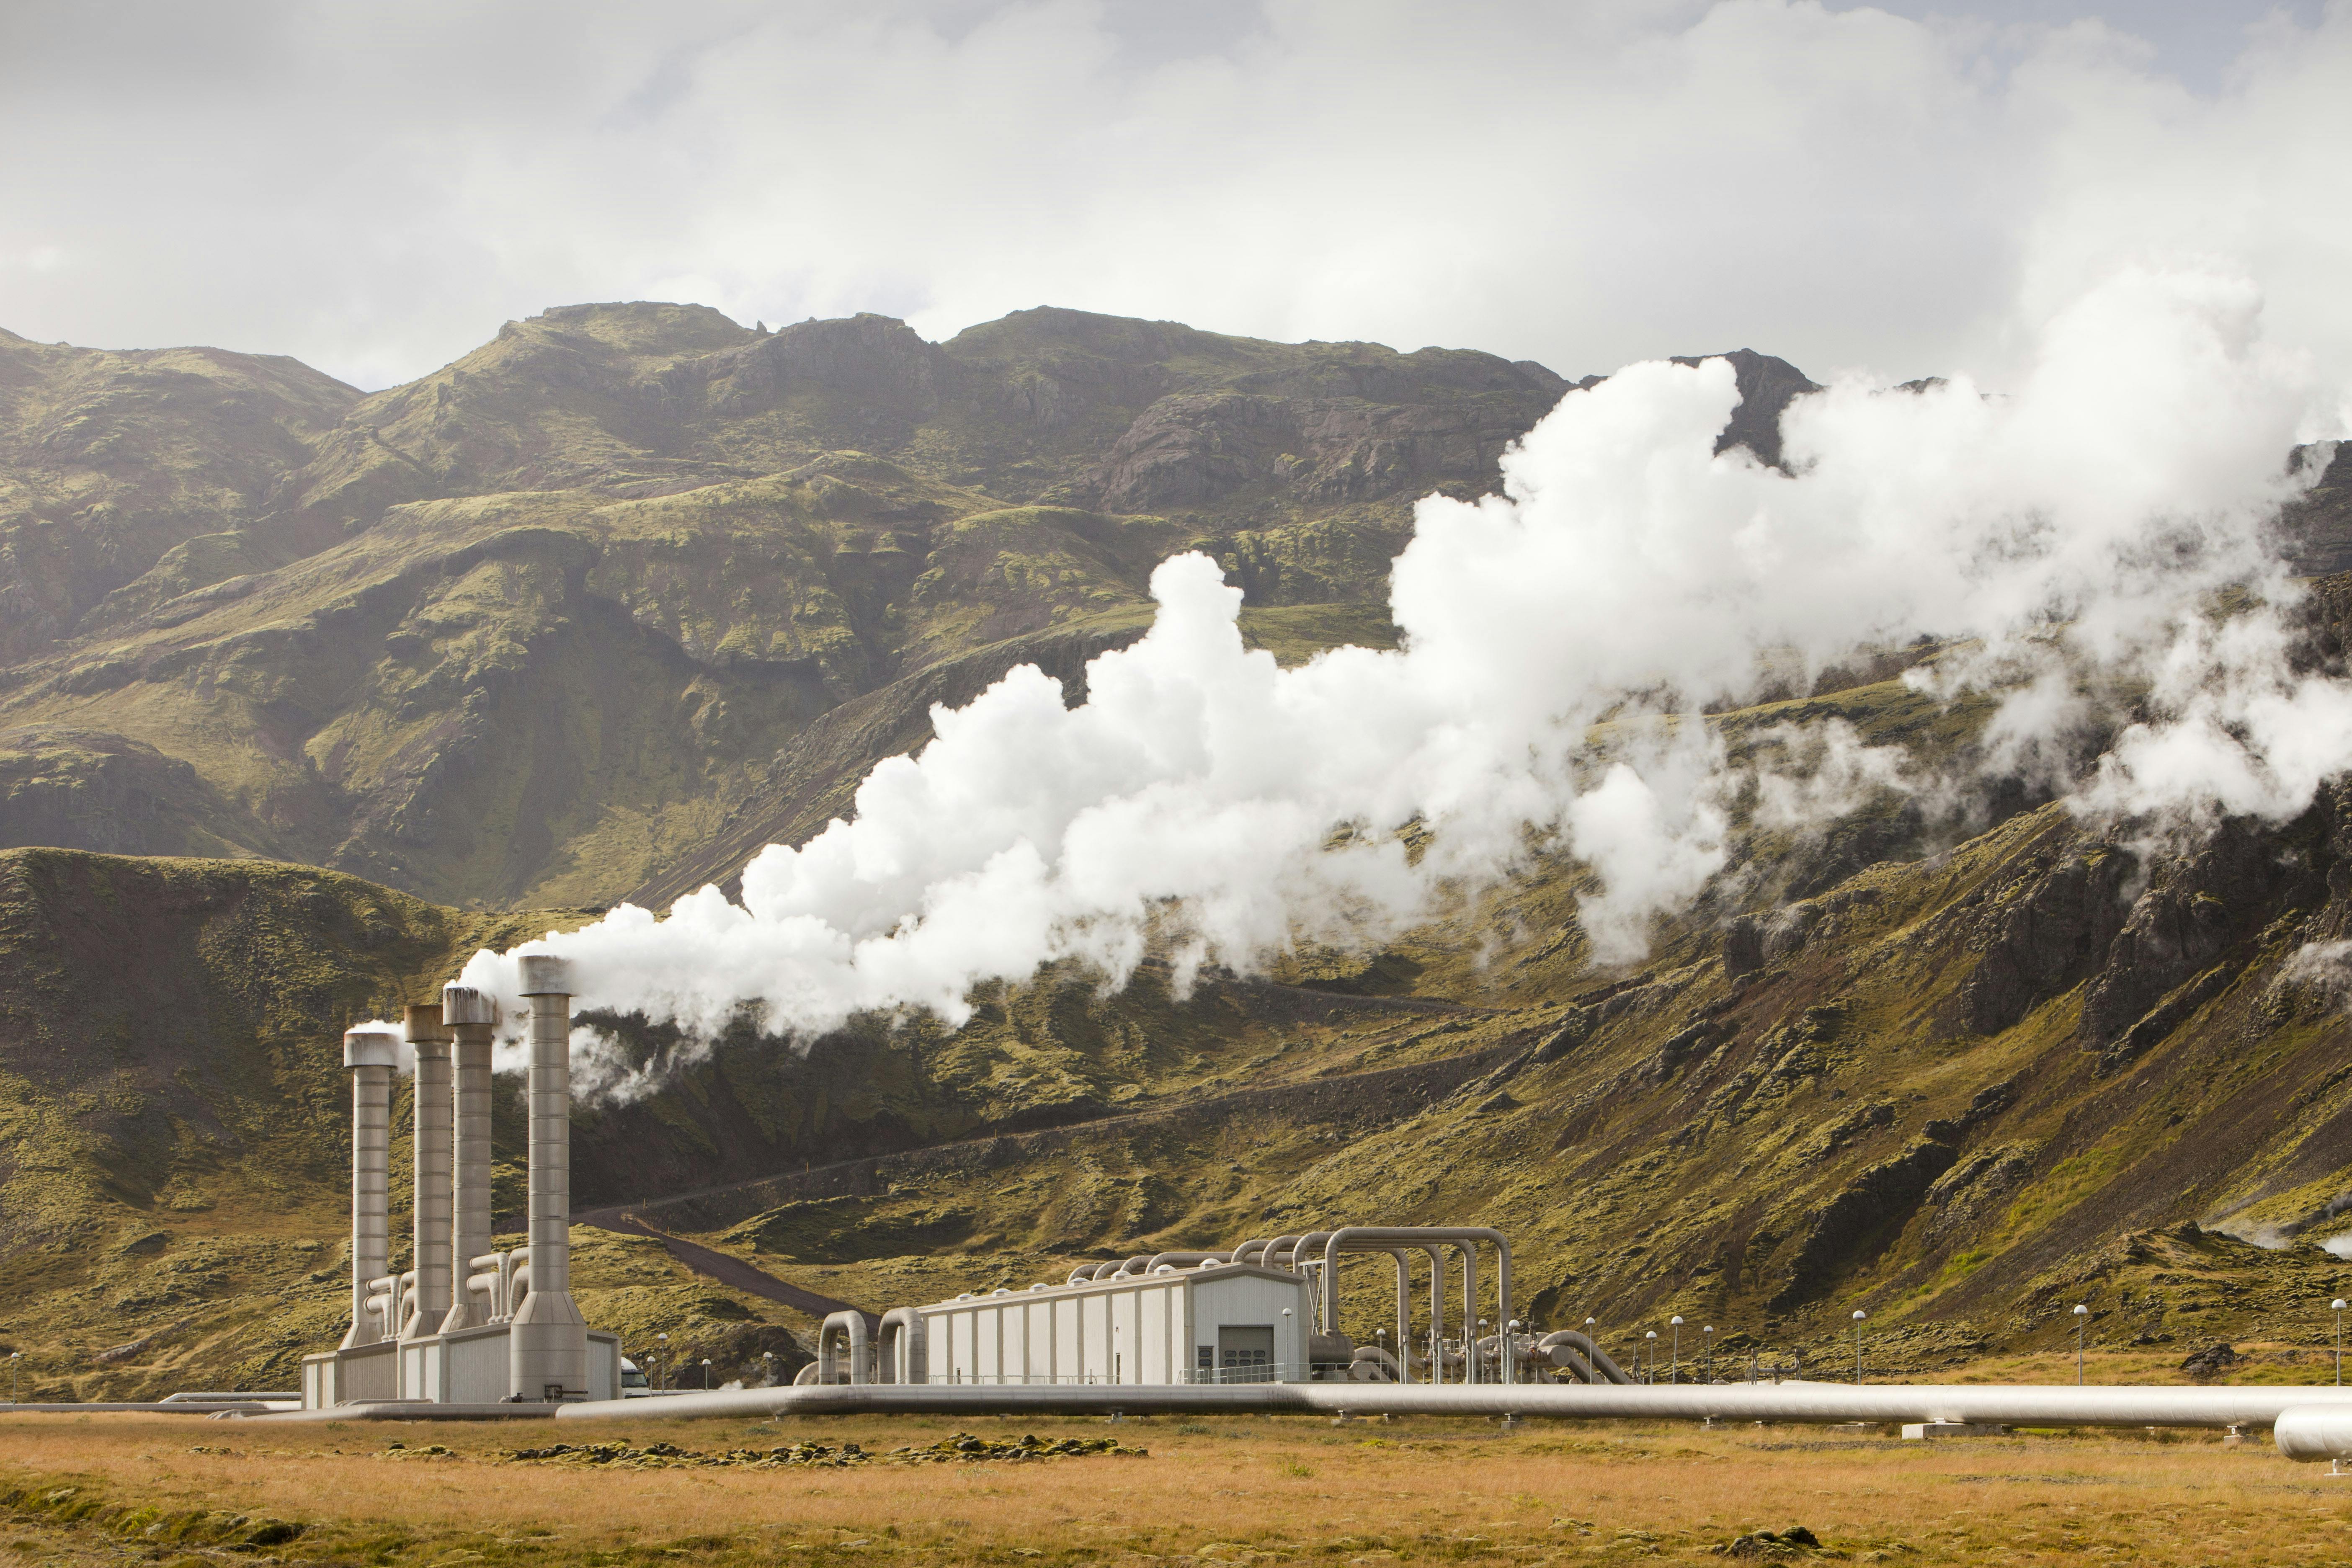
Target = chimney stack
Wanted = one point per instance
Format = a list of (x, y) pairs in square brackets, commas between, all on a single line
[(430, 1041), (371, 1054), (548, 1345), (469, 1017)]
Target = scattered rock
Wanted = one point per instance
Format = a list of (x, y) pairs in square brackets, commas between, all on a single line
[(2212, 1360), (961, 1449), (1794, 1541)]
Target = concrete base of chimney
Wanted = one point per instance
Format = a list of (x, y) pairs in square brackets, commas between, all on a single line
[(472, 1366), (548, 1349)]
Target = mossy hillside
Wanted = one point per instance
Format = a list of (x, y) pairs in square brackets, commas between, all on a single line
[(155, 1309), (536, 627), (176, 1113), (173, 1110), (1848, 1105), (1761, 1148), (110, 462), (529, 697)]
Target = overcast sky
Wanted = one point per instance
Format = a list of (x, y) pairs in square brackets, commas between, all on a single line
[(1905, 188)]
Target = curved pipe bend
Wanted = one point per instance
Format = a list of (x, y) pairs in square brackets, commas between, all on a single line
[(845, 1327), (1587, 1355)]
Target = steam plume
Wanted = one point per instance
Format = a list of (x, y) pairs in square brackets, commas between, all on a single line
[(2064, 537)]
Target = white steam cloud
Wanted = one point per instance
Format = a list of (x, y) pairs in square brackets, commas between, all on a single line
[(2065, 538)]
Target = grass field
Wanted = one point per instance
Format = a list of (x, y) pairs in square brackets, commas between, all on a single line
[(1259, 1489)]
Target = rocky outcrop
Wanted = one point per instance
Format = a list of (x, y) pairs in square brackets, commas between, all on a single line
[(2200, 906), (2045, 927), (1875, 1202), (1766, 387), (876, 361), (1191, 449), (86, 789)]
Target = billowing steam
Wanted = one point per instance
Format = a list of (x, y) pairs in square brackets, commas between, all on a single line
[(2064, 540)]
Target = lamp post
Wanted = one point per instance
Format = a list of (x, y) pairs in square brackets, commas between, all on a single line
[(767, 1367), (2337, 1306), (16, 1358), (1674, 1367), (1858, 1316), (2082, 1316), (706, 1371), (661, 1354), (1592, 1368), (1650, 1373), (1706, 1337)]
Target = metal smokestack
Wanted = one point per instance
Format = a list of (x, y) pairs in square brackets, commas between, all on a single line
[(430, 1040), (371, 1054), (548, 1345), (469, 1017)]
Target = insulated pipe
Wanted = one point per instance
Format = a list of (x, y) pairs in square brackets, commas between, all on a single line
[(383, 1307), (1300, 1252), (1588, 1354), (1184, 1259), (903, 1357), (410, 1310), (468, 1017), (2312, 1432), (2046, 1405), (371, 1055), (1403, 1357), (1469, 1257), (487, 1281), (548, 1344), (1578, 1367), (1436, 1311), (1296, 1249), (1381, 1238), (852, 1327), (1373, 1356), (436, 1113)]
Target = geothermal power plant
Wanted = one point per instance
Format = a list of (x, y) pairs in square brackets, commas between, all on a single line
[(468, 1333), (463, 1325)]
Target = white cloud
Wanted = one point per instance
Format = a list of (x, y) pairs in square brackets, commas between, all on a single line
[(1629, 572), (375, 190)]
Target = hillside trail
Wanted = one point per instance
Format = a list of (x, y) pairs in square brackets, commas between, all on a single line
[(1425, 1079), (730, 1271), (1439, 1075)]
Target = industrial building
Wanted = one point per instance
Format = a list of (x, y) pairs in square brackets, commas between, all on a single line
[(1265, 1311), (469, 1331), (463, 1324)]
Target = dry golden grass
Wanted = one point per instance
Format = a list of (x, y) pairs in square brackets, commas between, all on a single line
[(1366, 1493)]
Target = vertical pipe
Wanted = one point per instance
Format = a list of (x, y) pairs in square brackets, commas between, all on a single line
[(434, 1113), (1469, 1255), (371, 1055), (1436, 1312), (470, 1017), (548, 1343), (1404, 1313)]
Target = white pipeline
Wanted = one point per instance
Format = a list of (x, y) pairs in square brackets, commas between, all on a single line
[(2023, 1406)]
